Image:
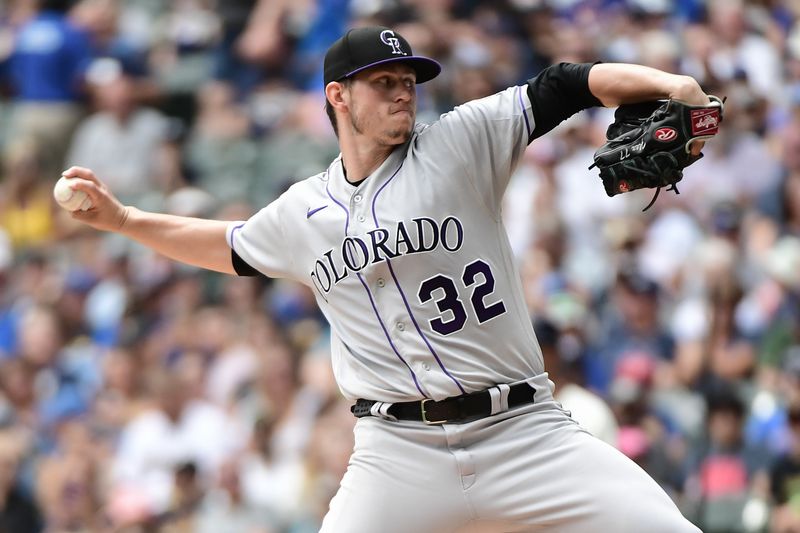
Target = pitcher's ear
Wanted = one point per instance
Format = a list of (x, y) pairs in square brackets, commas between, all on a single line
[(334, 92)]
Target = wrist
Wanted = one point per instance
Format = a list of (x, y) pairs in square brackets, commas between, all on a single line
[(125, 218), (687, 90)]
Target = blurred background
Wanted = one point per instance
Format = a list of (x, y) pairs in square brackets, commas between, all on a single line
[(139, 395)]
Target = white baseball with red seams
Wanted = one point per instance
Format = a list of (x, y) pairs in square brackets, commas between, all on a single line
[(69, 198)]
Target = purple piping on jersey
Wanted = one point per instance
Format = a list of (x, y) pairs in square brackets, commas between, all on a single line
[(402, 294), (234, 231), (419, 330), (385, 332), (524, 112), (340, 204), (371, 301)]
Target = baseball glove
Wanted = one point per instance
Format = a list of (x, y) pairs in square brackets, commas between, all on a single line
[(648, 145)]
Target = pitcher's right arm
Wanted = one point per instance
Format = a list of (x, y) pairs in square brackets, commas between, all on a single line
[(194, 241)]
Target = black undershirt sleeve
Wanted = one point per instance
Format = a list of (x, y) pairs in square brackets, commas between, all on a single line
[(557, 93), (241, 267)]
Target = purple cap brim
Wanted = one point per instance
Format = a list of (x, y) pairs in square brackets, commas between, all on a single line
[(425, 67)]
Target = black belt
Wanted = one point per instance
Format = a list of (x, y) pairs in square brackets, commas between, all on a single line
[(450, 410)]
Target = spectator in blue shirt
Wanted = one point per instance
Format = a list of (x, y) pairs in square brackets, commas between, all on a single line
[(632, 326), (45, 73)]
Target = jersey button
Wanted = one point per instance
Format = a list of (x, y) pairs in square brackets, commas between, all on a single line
[(426, 366), (361, 218), (357, 198), (400, 326), (381, 282)]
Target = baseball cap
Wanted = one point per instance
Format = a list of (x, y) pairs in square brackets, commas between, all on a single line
[(362, 48)]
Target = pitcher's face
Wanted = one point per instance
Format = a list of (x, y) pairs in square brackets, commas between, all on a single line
[(383, 103)]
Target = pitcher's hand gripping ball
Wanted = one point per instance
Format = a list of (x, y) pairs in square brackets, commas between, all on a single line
[(69, 198), (649, 144)]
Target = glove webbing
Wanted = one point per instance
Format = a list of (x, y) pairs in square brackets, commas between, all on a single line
[(666, 165)]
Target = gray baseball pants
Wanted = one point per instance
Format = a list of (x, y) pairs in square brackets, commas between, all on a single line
[(531, 468)]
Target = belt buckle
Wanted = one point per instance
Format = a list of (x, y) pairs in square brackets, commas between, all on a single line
[(425, 414)]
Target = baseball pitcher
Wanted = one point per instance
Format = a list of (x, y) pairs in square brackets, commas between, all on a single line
[(401, 241)]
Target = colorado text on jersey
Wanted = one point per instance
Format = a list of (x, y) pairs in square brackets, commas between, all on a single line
[(423, 234)]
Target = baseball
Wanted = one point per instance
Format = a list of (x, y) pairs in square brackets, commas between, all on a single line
[(70, 199)]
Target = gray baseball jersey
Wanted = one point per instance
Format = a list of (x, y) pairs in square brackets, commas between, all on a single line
[(412, 268)]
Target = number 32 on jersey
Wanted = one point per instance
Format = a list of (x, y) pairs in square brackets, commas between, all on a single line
[(477, 274)]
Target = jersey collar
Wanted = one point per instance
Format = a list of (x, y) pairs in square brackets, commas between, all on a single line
[(342, 190)]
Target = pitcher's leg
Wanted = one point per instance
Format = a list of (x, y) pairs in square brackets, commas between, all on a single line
[(401, 479), (625, 498), (541, 470)]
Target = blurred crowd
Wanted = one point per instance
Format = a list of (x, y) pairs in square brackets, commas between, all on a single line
[(140, 395)]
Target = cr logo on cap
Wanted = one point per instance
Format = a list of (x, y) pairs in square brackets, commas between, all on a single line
[(388, 38)]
